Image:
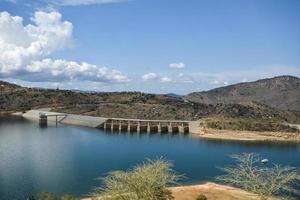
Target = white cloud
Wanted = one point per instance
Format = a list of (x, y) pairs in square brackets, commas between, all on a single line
[(215, 82), (118, 76), (179, 65), (24, 51), (20, 44), (184, 78), (165, 79), (83, 2), (149, 76), (63, 70)]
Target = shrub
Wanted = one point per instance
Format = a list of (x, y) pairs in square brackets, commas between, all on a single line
[(147, 181), (201, 197), (46, 196), (251, 175)]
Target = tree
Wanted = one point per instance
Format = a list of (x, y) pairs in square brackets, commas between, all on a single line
[(147, 181), (46, 196), (253, 176)]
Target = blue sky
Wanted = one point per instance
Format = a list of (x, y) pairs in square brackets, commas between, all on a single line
[(158, 46)]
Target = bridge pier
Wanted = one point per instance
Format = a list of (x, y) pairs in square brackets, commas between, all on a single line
[(159, 127), (120, 126), (138, 127), (112, 125), (148, 128), (182, 129), (128, 126), (170, 128)]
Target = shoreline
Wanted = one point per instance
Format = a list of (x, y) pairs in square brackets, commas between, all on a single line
[(206, 133), (211, 190), (249, 136)]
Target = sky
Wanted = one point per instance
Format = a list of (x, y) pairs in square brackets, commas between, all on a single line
[(155, 46)]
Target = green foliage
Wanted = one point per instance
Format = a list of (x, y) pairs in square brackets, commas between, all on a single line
[(46, 196), (147, 181), (253, 176), (50, 196), (201, 197), (30, 198)]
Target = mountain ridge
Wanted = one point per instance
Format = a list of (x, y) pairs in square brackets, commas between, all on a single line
[(140, 105), (282, 92)]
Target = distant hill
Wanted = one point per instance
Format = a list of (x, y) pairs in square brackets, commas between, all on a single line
[(6, 85), (232, 101), (281, 92)]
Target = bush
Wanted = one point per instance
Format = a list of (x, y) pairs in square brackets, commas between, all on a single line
[(46, 196), (251, 175), (147, 181), (201, 197), (50, 196)]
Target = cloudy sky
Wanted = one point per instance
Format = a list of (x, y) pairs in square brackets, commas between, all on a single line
[(158, 46)]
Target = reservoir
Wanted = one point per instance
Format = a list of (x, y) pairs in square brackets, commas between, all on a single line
[(70, 159)]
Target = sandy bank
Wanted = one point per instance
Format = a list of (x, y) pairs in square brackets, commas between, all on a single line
[(249, 135), (212, 191)]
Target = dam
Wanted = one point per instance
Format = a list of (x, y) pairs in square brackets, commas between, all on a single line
[(114, 124), (142, 125)]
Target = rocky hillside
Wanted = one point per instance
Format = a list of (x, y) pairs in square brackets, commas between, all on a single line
[(281, 92), (131, 105)]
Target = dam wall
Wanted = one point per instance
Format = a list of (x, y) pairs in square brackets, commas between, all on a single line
[(195, 127), (116, 124), (70, 119)]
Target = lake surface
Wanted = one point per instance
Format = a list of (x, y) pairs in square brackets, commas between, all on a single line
[(68, 159)]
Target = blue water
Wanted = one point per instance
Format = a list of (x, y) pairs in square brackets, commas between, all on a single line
[(68, 159)]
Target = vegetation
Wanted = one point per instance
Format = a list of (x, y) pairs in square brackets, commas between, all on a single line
[(248, 124), (253, 176), (147, 181), (50, 196), (201, 197)]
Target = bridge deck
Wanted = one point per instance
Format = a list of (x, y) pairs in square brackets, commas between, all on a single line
[(148, 120)]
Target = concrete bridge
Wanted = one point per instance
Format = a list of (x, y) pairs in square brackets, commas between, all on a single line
[(142, 125)]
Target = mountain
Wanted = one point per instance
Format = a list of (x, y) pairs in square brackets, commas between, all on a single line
[(281, 92), (154, 106), (6, 85)]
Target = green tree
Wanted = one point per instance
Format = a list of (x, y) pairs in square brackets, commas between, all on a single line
[(46, 196), (147, 181), (253, 176)]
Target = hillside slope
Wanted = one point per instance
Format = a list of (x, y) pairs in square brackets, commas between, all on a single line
[(131, 105), (281, 92)]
